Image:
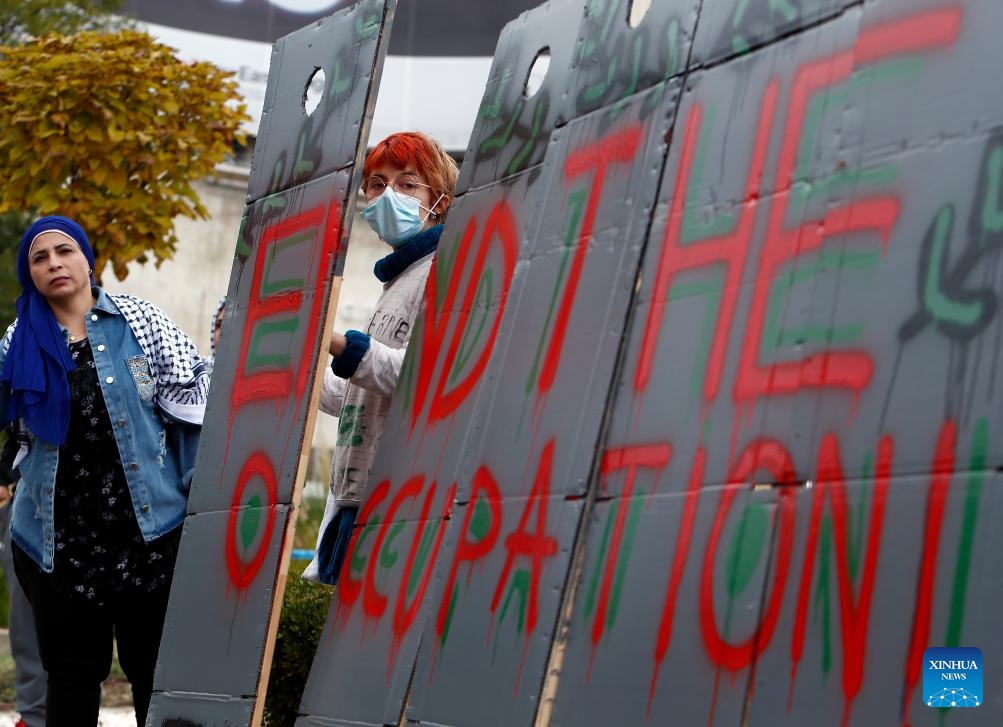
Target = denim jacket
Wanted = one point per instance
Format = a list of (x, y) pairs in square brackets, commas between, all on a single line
[(157, 452)]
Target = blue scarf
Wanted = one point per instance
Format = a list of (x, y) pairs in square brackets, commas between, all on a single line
[(37, 360), (388, 268)]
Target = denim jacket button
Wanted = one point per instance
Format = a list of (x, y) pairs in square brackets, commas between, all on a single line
[(133, 466), (145, 508), (121, 422), (94, 316), (100, 347), (110, 380)]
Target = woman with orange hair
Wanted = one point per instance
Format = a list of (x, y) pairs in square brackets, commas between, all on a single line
[(407, 183)]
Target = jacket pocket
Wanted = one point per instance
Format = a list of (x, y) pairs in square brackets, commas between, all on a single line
[(139, 367)]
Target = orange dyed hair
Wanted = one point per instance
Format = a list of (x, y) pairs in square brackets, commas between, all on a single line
[(423, 154)]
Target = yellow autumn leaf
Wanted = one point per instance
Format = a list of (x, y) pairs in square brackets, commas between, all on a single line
[(116, 181)]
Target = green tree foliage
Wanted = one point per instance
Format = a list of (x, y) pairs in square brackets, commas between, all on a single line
[(21, 20), (112, 129), (12, 226)]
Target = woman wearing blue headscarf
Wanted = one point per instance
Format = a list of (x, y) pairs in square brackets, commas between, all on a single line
[(107, 395)]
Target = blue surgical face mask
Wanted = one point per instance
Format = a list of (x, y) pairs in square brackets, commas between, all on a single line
[(396, 218)]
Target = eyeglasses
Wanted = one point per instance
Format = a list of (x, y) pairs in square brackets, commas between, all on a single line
[(405, 184)]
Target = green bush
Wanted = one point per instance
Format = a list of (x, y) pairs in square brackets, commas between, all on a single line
[(304, 608), (12, 226)]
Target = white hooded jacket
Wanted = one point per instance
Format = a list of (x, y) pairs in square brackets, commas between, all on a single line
[(362, 401)]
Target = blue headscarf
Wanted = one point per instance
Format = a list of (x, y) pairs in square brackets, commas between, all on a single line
[(37, 361)]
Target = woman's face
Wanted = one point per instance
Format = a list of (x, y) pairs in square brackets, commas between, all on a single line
[(59, 268), (407, 182)]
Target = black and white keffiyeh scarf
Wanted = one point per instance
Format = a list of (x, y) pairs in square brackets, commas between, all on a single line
[(182, 384)]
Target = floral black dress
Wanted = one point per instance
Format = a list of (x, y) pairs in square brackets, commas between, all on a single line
[(100, 550)]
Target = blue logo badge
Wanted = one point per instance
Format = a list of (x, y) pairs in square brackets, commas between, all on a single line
[(952, 676)]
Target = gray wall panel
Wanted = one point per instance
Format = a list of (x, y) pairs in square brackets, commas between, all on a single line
[(614, 60), (217, 712), (850, 165), (293, 146), (876, 529), (513, 129), (922, 365), (381, 604), (204, 649), (486, 663), (633, 636), (251, 463), (271, 340), (574, 299), (737, 26)]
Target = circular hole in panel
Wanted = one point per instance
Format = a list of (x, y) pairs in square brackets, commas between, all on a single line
[(636, 10), (314, 91), (537, 73)]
